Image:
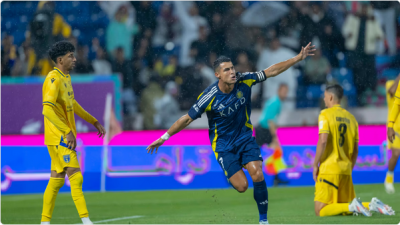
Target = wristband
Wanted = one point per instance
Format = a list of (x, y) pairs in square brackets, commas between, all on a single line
[(390, 124), (165, 136)]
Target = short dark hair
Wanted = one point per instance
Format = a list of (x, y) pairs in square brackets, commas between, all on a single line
[(220, 60), (335, 89), (60, 48), (283, 85)]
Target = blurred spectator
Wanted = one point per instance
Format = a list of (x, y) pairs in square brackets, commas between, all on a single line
[(25, 62), (46, 28), (93, 49), (121, 65), (207, 73), (82, 65), (167, 107), (316, 68), (319, 28), (243, 64), (144, 52), (167, 29), (200, 49), (218, 33), (145, 17), (384, 12), (167, 70), (235, 27), (44, 66), (191, 22), (100, 65), (148, 99), (272, 55), (362, 32), (120, 32), (8, 55)]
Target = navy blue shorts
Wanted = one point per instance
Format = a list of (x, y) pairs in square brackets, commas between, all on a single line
[(233, 161)]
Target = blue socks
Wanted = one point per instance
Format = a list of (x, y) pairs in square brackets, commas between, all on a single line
[(261, 197)]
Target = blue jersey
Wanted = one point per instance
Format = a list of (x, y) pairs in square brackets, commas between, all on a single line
[(228, 114)]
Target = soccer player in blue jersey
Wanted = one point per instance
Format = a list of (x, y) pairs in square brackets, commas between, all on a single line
[(227, 104)]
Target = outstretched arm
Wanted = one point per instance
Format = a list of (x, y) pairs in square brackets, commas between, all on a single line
[(179, 125), (281, 67)]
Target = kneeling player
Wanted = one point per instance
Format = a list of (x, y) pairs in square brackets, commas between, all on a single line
[(335, 158)]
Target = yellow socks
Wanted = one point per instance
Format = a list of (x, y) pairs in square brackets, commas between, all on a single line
[(366, 205), (389, 177), (76, 181), (338, 208), (49, 197), (334, 209)]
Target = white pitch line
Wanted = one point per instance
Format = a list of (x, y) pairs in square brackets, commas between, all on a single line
[(119, 218)]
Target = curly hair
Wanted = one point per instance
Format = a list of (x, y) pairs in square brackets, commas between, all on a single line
[(60, 48)]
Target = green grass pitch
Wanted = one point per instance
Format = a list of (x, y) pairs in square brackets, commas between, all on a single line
[(287, 205)]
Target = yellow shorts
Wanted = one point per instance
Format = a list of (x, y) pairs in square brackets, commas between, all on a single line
[(331, 189), (62, 157)]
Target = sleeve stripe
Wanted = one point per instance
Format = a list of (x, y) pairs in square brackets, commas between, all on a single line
[(49, 102), (207, 96), (259, 77), (263, 76)]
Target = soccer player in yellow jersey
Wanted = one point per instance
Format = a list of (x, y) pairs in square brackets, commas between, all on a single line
[(59, 106), (393, 101), (335, 158)]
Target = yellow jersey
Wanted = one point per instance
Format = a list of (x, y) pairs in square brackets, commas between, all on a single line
[(391, 100), (342, 130), (58, 93)]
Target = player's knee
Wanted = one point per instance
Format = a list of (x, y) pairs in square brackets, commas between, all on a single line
[(396, 154), (257, 176), (241, 188)]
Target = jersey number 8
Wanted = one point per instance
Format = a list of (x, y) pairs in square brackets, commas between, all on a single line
[(342, 132)]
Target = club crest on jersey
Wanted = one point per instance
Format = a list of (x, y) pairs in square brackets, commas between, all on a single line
[(239, 94), (66, 158), (52, 80)]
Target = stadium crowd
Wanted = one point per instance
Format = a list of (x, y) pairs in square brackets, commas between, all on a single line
[(164, 50)]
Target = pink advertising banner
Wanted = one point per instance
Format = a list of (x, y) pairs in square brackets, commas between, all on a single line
[(369, 135)]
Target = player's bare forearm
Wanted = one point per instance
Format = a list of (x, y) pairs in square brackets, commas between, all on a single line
[(281, 67), (323, 139), (78, 110), (180, 124), (272, 127), (49, 113), (355, 155)]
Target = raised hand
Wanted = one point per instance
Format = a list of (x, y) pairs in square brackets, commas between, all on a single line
[(155, 145), (306, 51)]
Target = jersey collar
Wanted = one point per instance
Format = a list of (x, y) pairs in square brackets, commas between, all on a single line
[(337, 105), (62, 74)]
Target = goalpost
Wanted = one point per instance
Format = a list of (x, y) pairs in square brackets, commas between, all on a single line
[(107, 116)]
